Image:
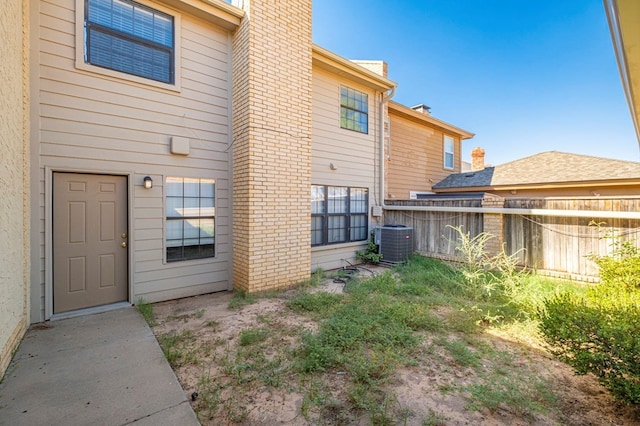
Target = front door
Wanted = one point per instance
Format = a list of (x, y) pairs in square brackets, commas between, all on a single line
[(89, 240)]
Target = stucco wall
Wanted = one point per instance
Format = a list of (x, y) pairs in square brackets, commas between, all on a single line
[(14, 172)]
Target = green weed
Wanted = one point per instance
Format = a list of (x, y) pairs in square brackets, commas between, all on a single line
[(146, 309), (252, 336), (178, 348), (241, 299), (318, 304)]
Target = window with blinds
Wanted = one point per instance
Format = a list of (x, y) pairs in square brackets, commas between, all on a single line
[(129, 37)]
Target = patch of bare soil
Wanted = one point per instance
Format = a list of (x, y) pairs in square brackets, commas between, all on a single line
[(237, 383)]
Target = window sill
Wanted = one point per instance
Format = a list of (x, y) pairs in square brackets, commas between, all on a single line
[(127, 78), (339, 246)]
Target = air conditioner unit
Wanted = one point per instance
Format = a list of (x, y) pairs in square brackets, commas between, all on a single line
[(395, 243)]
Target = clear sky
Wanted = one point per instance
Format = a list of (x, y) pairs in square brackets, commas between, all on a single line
[(526, 76)]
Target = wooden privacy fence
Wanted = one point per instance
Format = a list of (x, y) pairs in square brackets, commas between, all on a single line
[(549, 240), (432, 234)]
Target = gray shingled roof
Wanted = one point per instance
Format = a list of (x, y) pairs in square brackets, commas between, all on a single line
[(547, 167)]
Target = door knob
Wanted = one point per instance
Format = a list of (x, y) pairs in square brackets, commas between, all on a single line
[(124, 244), (124, 235)]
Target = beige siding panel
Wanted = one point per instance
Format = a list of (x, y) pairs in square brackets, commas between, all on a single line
[(180, 271), (334, 257), (354, 154), (192, 289), (99, 124), (416, 161)]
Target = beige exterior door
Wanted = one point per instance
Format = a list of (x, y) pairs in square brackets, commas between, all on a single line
[(89, 240)]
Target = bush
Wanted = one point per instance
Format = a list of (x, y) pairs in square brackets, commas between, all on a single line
[(371, 254), (599, 332), (487, 276)]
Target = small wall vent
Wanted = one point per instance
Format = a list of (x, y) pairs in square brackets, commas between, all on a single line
[(395, 242)]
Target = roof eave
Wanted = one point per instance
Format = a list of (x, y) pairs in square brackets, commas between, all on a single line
[(336, 64), (625, 36), (217, 12), (419, 117)]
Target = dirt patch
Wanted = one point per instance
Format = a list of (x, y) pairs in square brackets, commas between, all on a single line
[(233, 381)]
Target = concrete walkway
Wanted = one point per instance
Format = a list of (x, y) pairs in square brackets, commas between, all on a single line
[(100, 369)]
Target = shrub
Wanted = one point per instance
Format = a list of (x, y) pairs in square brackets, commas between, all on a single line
[(485, 275), (371, 254), (599, 332)]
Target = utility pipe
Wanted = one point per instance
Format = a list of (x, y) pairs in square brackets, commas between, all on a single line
[(385, 97)]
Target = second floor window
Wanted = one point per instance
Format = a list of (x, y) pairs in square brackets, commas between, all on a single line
[(126, 36), (448, 152), (354, 110)]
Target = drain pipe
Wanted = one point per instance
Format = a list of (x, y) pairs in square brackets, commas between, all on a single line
[(384, 98)]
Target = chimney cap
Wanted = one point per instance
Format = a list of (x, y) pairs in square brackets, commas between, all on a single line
[(477, 151), (421, 108)]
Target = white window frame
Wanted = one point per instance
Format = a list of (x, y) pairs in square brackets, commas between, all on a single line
[(187, 217), (445, 141), (80, 64)]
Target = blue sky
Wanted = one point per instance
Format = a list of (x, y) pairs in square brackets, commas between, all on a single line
[(526, 76)]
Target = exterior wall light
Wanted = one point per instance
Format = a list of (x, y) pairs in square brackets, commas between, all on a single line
[(148, 182)]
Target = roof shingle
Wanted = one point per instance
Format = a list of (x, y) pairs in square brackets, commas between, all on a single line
[(545, 168)]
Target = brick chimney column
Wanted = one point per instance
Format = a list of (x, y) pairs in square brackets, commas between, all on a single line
[(272, 144), (477, 159), (493, 223)]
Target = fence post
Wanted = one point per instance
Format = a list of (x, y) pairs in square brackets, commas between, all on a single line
[(493, 223)]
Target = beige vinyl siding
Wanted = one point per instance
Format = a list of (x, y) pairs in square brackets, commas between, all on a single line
[(416, 160), (353, 154), (93, 123)]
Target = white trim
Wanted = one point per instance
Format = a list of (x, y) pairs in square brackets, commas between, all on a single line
[(35, 297), (528, 212), (81, 65)]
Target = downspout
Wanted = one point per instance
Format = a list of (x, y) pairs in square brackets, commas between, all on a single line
[(383, 100)]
